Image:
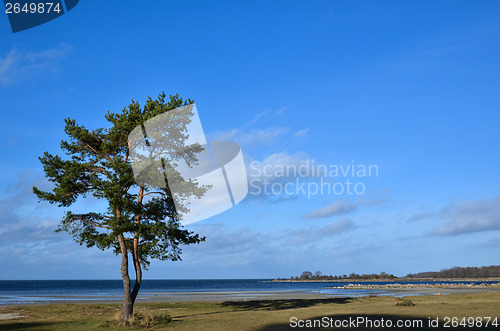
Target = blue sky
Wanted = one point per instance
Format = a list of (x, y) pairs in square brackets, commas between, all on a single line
[(411, 87)]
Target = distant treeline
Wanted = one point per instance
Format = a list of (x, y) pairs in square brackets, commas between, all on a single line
[(318, 275), (455, 272), (458, 272)]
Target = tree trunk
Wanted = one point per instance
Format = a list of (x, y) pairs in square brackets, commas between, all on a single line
[(138, 276), (135, 252), (137, 268), (128, 303)]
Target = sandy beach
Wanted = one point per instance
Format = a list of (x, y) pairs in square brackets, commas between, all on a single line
[(290, 295), (269, 295)]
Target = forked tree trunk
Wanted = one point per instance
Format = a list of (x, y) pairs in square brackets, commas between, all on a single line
[(138, 272), (128, 303), (129, 297), (135, 251)]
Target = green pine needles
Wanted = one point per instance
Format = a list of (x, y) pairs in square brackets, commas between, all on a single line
[(139, 221)]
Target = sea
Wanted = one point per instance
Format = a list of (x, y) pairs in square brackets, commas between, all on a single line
[(14, 292)]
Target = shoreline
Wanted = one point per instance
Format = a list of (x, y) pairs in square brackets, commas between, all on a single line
[(335, 289), (327, 293), (261, 314), (385, 280)]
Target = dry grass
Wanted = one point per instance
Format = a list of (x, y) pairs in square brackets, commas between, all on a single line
[(250, 315)]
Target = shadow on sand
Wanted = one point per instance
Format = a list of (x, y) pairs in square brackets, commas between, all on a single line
[(281, 304), (25, 325)]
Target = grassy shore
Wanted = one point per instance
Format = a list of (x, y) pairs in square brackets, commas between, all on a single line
[(250, 315)]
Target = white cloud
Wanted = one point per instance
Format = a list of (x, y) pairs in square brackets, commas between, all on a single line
[(222, 241), (342, 207), (421, 216), (225, 246), (254, 137), (315, 234), (301, 133), (20, 65), (266, 113), (26, 230), (336, 228), (469, 217), (7, 66), (333, 209)]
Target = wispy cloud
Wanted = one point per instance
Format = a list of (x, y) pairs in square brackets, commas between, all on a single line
[(337, 208), (469, 217), (421, 216), (25, 227), (238, 247), (301, 133), (342, 207), (17, 65), (29, 241), (7, 65), (266, 113), (495, 242), (254, 137), (315, 234)]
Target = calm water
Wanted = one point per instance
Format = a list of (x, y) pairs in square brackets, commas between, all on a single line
[(34, 291)]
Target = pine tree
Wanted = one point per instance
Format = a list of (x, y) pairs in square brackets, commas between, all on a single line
[(139, 221)]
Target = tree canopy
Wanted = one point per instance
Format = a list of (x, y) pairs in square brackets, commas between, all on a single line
[(138, 220)]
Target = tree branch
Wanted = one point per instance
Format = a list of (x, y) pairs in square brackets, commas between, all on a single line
[(90, 222)]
